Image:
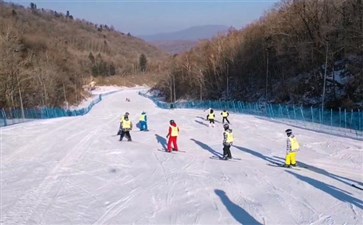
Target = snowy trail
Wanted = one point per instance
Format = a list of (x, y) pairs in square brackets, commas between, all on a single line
[(75, 171)]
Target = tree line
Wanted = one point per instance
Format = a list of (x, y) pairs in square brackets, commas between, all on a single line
[(46, 59), (288, 55)]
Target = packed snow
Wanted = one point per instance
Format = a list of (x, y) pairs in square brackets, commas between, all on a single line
[(76, 171), (99, 90)]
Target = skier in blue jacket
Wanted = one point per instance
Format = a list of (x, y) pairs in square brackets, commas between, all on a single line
[(143, 122)]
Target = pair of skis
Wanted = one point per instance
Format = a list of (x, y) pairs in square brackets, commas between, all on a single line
[(279, 164), (165, 150), (221, 158)]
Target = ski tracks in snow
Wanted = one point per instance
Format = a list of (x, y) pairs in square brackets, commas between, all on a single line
[(34, 144), (159, 202), (115, 208), (23, 209), (288, 200)]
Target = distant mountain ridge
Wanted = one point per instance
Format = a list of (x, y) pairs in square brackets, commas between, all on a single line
[(190, 34), (183, 40)]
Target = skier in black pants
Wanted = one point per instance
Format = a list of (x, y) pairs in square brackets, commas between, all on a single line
[(122, 118), (227, 142), (225, 115), (126, 126), (211, 116)]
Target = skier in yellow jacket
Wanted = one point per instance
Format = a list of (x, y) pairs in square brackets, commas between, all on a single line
[(227, 142), (122, 119), (126, 127), (211, 117), (292, 147), (225, 115)]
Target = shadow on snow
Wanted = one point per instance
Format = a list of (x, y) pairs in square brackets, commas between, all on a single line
[(259, 155), (205, 118), (329, 189), (206, 147), (236, 211), (344, 180), (162, 141), (200, 122), (280, 160)]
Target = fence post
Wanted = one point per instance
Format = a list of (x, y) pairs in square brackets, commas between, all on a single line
[(288, 113), (340, 117), (4, 115), (302, 113), (312, 114), (267, 109), (360, 128), (331, 117), (272, 110), (351, 119), (345, 118), (293, 107)]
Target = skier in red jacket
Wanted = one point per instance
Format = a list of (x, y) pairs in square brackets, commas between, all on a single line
[(173, 135)]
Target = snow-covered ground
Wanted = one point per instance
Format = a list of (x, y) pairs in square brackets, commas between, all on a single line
[(99, 90), (75, 171)]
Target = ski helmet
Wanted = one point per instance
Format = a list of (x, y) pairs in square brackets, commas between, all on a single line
[(127, 113), (226, 126), (288, 131), (172, 121)]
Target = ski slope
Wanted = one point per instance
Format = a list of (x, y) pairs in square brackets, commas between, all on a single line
[(75, 171)]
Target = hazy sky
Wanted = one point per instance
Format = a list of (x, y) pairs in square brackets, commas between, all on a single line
[(156, 16)]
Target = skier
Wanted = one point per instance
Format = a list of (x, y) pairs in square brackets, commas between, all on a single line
[(122, 118), (126, 127), (227, 142), (211, 116), (173, 135), (225, 115), (143, 122), (291, 149)]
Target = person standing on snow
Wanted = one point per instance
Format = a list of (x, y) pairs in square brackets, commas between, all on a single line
[(227, 142), (126, 127), (225, 115), (172, 135), (211, 117), (143, 122), (122, 118), (292, 148)]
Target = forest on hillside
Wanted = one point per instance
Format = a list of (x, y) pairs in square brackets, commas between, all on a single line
[(46, 57), (288, 56)]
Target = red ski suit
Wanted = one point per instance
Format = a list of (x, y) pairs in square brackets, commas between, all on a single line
[(173, 135)]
